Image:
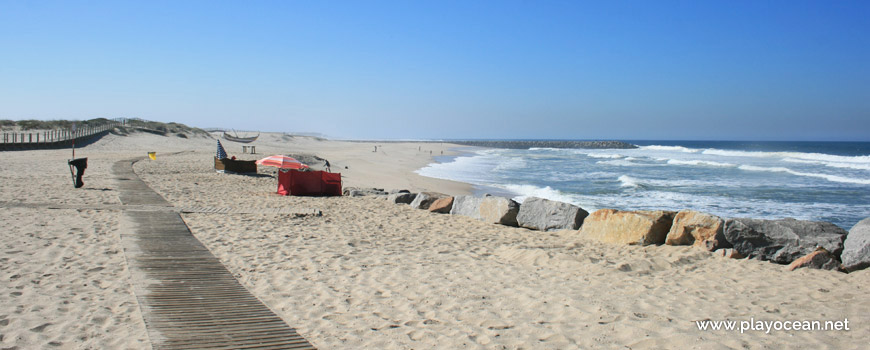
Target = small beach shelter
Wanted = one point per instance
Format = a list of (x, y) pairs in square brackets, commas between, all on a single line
[(309, 183), (222, 164), (281, 162)]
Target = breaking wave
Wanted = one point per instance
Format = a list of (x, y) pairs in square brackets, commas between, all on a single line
[(670, 148), (834, 178)]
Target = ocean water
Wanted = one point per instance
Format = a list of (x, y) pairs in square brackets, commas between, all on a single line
[(821, 181)]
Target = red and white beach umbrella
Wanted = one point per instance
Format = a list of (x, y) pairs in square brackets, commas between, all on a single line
[(281, 162)]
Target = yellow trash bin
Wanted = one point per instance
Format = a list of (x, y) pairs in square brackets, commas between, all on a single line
[(152, 155)]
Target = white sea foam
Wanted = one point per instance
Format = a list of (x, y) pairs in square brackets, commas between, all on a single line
[(848, 166), (670, 148), (547, 192), (605, 155), (854, 165), (627, 163), (699, 162), (829, 160), (634, 181), (511, 163), (472, 169), (829, 177), (628, 181), (819, 157)]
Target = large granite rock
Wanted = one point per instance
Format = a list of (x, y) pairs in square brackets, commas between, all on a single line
[(628, 227), (401, 198), (499, 210), (425, 199), (698, 229), (442, 205), (819, 259), (496, 210), (856, 249), (784, 240), (466, 206), (546, 215)]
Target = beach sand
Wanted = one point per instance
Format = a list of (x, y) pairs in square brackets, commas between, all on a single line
[(373, 275)]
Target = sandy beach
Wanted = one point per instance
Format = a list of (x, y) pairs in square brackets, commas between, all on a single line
[(368, 274)]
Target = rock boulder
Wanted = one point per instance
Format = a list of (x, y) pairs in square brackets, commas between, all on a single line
[(442, 205), (698, 229), (856, 250), (425, 199), (546, 215), (401, 198), (499, 210), (360, 192), (628, 227), (782, 241), (466, 206), (820, 259)]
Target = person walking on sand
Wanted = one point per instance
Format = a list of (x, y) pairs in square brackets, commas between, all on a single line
[(328, 170)]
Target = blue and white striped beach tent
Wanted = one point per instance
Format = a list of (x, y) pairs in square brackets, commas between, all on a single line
[(221, 154)]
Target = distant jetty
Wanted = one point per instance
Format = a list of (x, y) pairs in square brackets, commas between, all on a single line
[(548, 144)]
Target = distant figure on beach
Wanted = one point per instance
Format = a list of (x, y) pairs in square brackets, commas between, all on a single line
[(376, 149), (327, 166)]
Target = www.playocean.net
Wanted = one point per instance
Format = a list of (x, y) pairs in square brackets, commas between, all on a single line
[(767, 326)]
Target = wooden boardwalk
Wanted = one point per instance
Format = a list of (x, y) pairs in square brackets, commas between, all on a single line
[(189, 300)]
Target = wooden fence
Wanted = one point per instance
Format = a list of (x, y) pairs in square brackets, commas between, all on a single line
[(55, 139)]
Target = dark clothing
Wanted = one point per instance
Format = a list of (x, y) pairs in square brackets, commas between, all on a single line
[(80, 164)]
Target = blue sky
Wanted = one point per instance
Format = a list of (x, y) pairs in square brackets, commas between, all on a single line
[(698, 70)]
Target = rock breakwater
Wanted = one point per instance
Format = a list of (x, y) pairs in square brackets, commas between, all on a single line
[(812, 244)]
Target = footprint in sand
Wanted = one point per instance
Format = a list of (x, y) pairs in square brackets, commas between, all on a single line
[(39, 329)]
